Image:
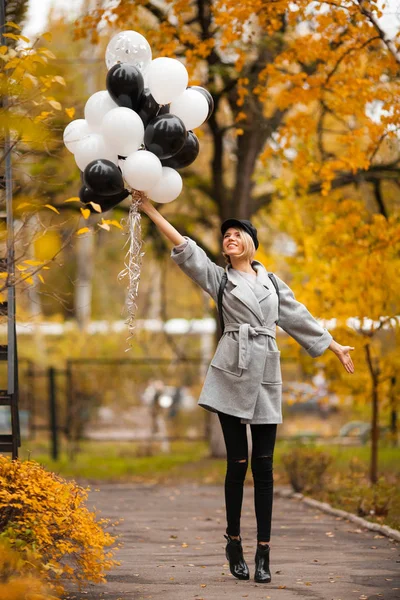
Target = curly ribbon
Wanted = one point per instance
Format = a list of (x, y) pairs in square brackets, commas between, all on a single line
[(133, 260)]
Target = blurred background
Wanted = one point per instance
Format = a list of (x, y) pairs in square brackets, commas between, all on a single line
[(304, 141)]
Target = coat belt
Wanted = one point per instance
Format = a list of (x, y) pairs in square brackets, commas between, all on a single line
[(246, 332)]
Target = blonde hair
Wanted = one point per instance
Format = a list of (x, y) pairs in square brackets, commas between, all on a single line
[(249, 248)]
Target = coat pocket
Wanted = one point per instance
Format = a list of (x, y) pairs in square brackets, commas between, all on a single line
[(272, 368), (226, 356)]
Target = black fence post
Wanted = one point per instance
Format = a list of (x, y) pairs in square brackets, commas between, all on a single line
[(53, 412)]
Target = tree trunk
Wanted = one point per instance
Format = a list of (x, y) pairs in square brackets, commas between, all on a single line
[(393, 411), (374, 372)]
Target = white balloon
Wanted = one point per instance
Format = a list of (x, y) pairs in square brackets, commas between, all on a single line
[(142, 170), (128, 47), (168, 187), (168, 79), (98, 105), (91, 148), (191, 107), (123, 130), (145, 74), (74, 133)]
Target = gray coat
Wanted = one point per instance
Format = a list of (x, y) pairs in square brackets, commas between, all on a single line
[(244, 377)]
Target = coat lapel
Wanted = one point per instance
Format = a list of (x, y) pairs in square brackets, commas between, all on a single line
[(263, 287), (243, 292)]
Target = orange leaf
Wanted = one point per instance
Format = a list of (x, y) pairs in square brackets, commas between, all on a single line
[(82, 230), (33, 263), (74, 199), (70, 112), (53, 208), (12, 24), (85, 212)]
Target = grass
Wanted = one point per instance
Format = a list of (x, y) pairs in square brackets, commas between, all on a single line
[(347, 487)]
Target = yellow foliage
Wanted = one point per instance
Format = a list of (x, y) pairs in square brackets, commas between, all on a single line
[(53, 208), (346, 267), (47, 245), (70, 112), (44, 516), (320, 63), (82, 230), (20, 578)]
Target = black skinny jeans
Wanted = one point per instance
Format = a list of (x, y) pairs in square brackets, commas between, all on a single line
[(235, 436)]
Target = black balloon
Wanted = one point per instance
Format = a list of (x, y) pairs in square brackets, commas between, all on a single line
[(165, 136), (207, 96), (186, 156), (103, 177), (125, 85), (148, 108), (105, 202), (164, 110)]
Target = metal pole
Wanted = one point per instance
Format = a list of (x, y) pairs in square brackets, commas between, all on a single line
[(53, 413), (10, 233)]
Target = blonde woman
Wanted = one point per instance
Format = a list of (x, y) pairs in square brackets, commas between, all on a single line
[(243, 384)]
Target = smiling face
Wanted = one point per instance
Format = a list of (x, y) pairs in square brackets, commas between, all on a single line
[(237, 244), (232, 244)]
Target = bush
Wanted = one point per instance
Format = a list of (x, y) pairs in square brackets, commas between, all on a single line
[(19, 578), (305, 468), (44, 515), (358, 495)]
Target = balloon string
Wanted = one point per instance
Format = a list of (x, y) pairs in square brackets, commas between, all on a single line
[(132, 261)]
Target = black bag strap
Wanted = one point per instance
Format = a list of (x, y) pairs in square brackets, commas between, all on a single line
[(275, 283), (221, 293)]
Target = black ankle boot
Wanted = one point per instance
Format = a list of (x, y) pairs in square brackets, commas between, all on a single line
[(262, 574), (234, 554)]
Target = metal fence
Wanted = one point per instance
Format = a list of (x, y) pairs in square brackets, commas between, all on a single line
[(144, 400)]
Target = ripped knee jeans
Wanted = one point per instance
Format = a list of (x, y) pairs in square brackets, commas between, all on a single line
[(263, 443)]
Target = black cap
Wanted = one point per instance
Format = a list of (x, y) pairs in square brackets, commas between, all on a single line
[(241, 224)]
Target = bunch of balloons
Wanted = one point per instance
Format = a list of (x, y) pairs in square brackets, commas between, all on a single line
[(140, 129)]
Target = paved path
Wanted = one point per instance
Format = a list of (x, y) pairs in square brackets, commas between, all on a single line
[(174, 550)]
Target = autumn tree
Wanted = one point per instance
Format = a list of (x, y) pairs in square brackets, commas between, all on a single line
[(26, 122), (351, 278), (294, 84)]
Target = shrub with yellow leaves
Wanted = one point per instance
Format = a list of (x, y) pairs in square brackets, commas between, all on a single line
[(43, 514), (20, 578)]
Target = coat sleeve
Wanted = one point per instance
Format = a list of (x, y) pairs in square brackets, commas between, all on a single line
[(195, 263), (298, 322)]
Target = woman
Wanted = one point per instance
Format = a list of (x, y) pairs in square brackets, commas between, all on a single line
[(243, 384)]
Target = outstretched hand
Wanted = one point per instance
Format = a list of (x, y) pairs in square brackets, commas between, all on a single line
[(343, 354)]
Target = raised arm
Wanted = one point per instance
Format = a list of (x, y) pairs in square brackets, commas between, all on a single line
[(189, 257), (161, 223)]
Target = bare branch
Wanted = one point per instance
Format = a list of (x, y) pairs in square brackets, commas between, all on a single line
[(346, 53), (374, 22)]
